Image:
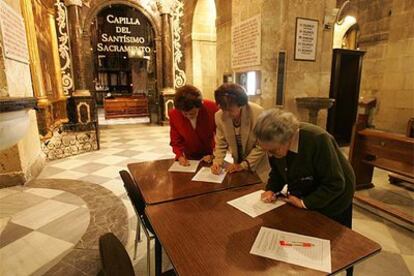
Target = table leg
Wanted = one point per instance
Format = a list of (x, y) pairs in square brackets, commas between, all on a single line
[(158, 258)]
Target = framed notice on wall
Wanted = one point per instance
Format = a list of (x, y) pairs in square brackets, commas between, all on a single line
[(13, 33), (246, 43), (306, 37)]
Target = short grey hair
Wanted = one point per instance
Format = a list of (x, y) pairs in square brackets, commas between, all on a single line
[(275, 125)]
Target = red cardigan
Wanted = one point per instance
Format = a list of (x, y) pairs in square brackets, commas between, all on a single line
[(194, 143)]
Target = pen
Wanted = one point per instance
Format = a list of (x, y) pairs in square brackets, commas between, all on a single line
[(295, 243)]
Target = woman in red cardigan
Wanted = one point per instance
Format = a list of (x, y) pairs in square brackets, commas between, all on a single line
[(192, 126)]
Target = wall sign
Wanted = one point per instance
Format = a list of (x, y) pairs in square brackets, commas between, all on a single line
[(246, 43), (123, 30), (13, 33), (306, 37)]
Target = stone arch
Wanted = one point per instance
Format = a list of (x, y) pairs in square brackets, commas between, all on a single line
[(200, 7), (101, 4), (202, 46), (191, 6), (341, 29), (93, 11), (351, 37)]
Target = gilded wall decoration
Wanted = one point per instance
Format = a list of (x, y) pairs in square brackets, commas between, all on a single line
[(44, 39), (64, 47), (179, 74)]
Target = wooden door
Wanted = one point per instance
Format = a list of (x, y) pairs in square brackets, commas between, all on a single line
[(345, 81)]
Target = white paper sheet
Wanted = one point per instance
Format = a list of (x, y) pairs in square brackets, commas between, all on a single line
[(229, 158), (252, 204), (205, 175), (176, 167), (318, 256)]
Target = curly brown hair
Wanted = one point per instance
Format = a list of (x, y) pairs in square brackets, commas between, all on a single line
[(187, 97)]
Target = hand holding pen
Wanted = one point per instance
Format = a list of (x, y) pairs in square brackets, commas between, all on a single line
[(268, 197), (216, 169)]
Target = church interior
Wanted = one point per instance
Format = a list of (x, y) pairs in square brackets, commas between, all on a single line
[(86, 92)]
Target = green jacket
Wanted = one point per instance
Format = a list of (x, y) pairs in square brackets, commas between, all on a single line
[(319, 173)]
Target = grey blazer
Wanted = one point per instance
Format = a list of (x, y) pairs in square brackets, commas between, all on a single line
[(225, 139)]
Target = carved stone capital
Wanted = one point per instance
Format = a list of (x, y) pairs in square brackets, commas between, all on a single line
[(81, 93), (168, 91), (165, 6), (73, 3)]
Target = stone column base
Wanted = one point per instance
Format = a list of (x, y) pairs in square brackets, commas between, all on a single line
[(81, 92), (21, 177)]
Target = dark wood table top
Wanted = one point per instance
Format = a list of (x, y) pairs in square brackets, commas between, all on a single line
[(204, 235), (158, 185)]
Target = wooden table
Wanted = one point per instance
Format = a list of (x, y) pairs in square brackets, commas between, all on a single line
[(205, 236), (158, 185)]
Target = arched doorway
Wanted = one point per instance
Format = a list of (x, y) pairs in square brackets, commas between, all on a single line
[(121, 44), (345, 79), (203, 33), (346, 33)]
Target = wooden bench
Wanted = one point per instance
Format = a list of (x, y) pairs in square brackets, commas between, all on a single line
[(375, 148), (398, 178), (126, 107)]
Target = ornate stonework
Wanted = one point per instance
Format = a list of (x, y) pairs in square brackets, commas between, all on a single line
[(73, 3), (166, 6), (86, 118), (150, 5), (67, 143), (64, 47), (179, 74)]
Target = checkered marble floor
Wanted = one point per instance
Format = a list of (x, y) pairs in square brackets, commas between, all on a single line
[(31, 234), (121, 145)]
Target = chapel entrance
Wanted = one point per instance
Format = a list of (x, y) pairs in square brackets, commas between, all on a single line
[(124, 58)]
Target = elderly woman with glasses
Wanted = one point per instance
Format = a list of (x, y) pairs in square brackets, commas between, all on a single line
[(308, 160), (192, 126), (235, 123)]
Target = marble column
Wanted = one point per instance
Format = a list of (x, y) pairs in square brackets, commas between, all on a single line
[(35, 67), (75, 33), (81, 105), (165, 8)]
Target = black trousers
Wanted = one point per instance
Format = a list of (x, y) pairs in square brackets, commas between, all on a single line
[(345, 218)]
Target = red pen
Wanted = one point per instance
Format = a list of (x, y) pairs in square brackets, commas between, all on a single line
[(294, 243)]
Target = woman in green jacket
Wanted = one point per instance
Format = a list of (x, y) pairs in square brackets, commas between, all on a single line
[(307, 164), (307, 159)]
